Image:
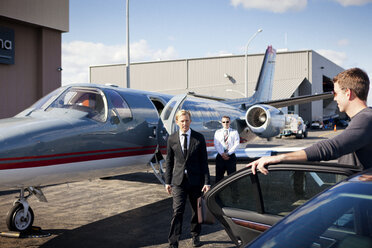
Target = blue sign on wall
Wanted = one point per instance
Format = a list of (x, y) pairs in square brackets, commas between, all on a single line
[(6, 45)]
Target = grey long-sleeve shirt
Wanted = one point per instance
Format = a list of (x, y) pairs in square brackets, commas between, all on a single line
[(353, 146)]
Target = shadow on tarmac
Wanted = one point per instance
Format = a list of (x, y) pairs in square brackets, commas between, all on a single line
[(143, 177), (144, 226)]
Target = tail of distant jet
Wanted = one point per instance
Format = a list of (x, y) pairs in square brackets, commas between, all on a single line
[(265, 82), (264, 86)]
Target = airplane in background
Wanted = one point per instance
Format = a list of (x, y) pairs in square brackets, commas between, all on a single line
[(86, 131)]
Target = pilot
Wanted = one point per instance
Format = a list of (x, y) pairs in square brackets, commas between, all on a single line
[(353, 146), (226, 140), (187, 175)]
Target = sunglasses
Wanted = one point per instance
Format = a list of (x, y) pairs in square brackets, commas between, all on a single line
[(226, 122), (335, 93)]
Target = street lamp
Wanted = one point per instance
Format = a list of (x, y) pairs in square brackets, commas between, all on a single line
[(246, 61)]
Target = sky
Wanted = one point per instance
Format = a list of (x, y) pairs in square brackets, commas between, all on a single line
[(181, 29)]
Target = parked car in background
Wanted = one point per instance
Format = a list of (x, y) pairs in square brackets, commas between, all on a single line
[(294, 125), (247, 205), (340, 217), (317, 125)]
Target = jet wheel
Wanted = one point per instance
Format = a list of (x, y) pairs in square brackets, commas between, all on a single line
[(16, 221)]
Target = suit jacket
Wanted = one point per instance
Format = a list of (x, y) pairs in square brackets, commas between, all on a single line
[(195, 162)]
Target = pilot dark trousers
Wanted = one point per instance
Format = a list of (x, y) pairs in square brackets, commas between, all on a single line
[(225, 165), (180, 194)]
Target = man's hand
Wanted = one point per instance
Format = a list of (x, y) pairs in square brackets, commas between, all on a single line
[(225, 156), (260, 164), (206, 188), (168, 188), (292, 156)]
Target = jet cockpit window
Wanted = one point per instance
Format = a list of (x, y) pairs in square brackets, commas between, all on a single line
[(87, 100), (47, 100), (120, 105)]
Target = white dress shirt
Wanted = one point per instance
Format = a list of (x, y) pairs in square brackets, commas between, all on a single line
[(182, 138), (233, 141)]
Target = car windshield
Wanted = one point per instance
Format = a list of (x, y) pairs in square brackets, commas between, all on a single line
[(340, 217), (89, 100)]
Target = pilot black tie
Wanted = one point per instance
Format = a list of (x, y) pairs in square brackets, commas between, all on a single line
[(184, 145)]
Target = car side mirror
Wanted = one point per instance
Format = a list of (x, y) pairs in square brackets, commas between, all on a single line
[(115, 120)]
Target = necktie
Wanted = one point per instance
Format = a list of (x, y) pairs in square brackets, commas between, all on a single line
[(184, 145), (225, 137)]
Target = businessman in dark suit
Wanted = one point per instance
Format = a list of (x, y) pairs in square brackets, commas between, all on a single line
[(187, 174)]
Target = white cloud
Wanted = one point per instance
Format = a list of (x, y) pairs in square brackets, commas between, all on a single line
[(353, 2), (169, 53), (272, 5), (337, 57), (343, 42), (77, 56)]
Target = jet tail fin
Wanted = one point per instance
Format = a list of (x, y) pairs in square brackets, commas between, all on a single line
[(264, 86)]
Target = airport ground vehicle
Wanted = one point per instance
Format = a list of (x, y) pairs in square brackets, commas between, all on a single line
[(294, 125), (247, 205)]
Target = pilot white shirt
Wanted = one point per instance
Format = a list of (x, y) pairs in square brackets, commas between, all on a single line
[(233, 141)]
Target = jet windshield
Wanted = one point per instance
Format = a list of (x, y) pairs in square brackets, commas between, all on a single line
[(89, 100)]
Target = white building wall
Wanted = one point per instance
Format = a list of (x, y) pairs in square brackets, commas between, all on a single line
[(206, 76), (113, 74), (320, 66), (290, 70)]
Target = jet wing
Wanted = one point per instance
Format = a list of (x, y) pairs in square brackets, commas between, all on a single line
[(243, 103), (299, 100)]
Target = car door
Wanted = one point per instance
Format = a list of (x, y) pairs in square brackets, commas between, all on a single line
[(247, 205)]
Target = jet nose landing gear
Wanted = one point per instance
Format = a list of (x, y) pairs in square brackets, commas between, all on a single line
[(21, 217)]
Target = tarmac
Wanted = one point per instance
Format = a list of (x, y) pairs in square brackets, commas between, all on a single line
[(130, 210)]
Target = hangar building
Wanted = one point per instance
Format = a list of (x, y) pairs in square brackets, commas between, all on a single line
[(30, 51), (296, 73)]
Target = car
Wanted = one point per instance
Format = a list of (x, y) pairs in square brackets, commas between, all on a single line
[(317, 125), (294, 125), (247, 205), (340, 217)]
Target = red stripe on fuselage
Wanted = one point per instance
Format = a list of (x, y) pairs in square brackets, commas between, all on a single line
[(107, 154)]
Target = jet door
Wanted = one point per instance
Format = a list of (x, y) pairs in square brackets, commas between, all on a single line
[(247, 204), (169, 112)]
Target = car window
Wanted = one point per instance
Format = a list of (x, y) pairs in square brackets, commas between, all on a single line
[(338, 218), (282, 191), (239, 194)]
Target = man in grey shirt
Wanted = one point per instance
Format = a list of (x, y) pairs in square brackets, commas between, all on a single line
[(354, 145)]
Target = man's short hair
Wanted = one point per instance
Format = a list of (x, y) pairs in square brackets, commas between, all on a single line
[(354, 79), (225, 116), (182, 112)]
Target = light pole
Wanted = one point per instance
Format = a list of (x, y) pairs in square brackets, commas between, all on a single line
[(246, 61), (127, 45)]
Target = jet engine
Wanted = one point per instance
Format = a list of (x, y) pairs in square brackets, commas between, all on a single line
[(265, 121)]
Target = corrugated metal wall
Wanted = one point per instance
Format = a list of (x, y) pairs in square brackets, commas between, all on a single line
[(206, 75)]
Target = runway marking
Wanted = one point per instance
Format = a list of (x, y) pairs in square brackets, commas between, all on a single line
[(326, 134)]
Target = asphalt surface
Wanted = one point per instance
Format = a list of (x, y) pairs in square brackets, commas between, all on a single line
[(125, 211)]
